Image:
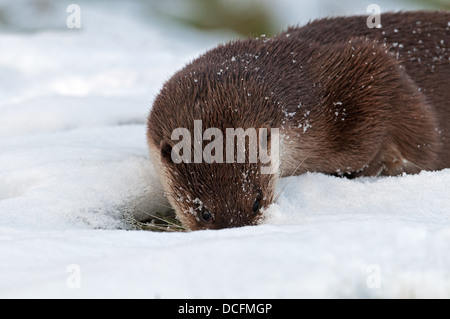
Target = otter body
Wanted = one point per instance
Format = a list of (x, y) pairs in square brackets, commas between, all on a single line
[(348, 101)]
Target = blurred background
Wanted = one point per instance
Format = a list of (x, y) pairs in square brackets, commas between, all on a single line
[(240, 17)]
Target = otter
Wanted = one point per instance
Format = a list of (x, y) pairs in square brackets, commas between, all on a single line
[(348, 101)]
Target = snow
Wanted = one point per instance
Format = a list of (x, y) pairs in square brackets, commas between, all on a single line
[(73, 158)]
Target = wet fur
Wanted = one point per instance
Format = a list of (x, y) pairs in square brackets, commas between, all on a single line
[(348, 100)]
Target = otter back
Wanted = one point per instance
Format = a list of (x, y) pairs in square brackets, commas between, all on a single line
[(348, 101)]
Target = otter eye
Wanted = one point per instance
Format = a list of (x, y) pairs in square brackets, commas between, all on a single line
[(206, 215), (256, 207)]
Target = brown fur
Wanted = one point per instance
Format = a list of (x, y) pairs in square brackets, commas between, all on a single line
[(348, 100)]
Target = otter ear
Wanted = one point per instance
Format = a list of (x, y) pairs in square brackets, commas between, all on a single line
[(166, 151)]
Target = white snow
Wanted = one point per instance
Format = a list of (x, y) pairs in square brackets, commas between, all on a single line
[(73, 157)]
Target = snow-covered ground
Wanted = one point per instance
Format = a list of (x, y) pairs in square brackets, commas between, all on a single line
[(73, 155)]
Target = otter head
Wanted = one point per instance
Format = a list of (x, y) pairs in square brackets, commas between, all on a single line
[(216, 195)]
